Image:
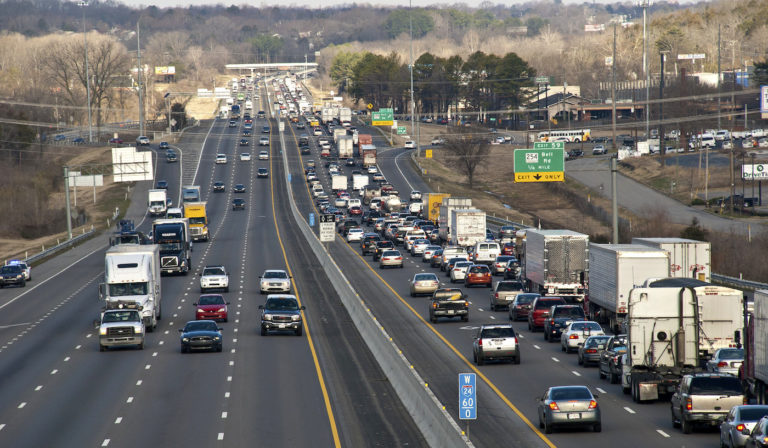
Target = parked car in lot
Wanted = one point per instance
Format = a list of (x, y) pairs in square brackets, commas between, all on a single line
[(704, 399), (495, 342), (576, 333), (521, 306), (589, 351), (424, 283), (281, 312), (564, 406), (743, 419), (201, 335)]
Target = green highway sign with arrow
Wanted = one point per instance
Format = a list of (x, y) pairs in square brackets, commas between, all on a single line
[(540, 164)]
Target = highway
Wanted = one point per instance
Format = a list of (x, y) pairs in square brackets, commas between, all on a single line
[(507, 393), (322, 389)]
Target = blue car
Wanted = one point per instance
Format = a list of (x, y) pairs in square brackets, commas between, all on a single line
[(59, 138), (78, 140), (162, 184), (201, 335)]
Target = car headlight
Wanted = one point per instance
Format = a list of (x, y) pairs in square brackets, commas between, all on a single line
[(103, 331), (138, 329), (222, 310), (184, 339), (217, 338), (146, 313), (267, 317), (296, 318)]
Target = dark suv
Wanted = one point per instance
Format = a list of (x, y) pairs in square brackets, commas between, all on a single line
[(559, 318), (281, 312), (12, 274), (381, 246), (368, 243), (540, 311)]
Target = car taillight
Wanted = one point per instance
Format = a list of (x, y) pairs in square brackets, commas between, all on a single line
[(740, 427), (551, 322), (722, 364), (496, 295), (591, 350), (434, 305), (573, 336), (480, 342), (688, 404), (553, 406), (592, 404)]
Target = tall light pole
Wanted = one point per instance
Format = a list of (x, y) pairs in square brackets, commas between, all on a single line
[(646, 72), (141, 82), (83, 4), (413, 103), (613, 92)]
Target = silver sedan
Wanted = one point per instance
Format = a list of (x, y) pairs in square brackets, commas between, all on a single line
[(569, 406), (274, 280), (726, 360), (424, 284), (738, 419)]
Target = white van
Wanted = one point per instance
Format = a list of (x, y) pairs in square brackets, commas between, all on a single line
[(707, 141), (486, 252), (354, 202)]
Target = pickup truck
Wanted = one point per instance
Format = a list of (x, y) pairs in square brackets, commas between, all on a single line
[(448, 302), (121, 327), (610, 358), (704, 398)]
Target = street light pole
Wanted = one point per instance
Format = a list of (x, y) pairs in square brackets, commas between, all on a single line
[(413, 102), (141, 82), (647, 73), (83, 4)]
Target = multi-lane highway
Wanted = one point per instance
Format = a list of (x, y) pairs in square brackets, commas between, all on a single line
[(322, 389)]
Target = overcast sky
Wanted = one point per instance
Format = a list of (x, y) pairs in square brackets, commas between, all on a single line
[(326, 3)]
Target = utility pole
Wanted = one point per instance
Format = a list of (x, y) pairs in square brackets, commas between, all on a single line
[(83, 4), (662, 146), (647, 74), (413, 103), (141, 82), (613, 91), (719, 74), (66, 199), (614, 198)]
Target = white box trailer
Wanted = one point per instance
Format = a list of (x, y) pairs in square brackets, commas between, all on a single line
[(614, 269), (687, 258), (674, 326), (345, 146), (556, 263), (449, 204), (157, 202), (132, 280), (338, 182), (467, 227), (359, 181)]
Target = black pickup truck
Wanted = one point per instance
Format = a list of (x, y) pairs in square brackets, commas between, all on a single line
[(450, 303)]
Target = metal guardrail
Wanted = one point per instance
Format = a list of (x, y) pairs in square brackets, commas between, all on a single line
[(58, 247), (738, 283)]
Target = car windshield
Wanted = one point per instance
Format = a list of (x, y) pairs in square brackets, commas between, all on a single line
[(127, 289), (121, 316), (479, 270), (424, 277), (596, 341), (275, 274), (582, 326), (211, 300), (500, 332), (568, 312), (13, 269), (731, 353), (200, 326), (463, 264), (570, 393), (213, 271), (752, 413), (715, 385), (545, 304), (526, 298), (510, 286), (282, 305), (391, 253)]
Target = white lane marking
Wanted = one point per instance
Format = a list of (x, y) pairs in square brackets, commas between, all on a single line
[(78, 347), (629, 410), (536, 347), (3, 327), (54, 372), (575, 373), (160, 342), (38, 388), (480, 309), (147, 367), (229, 378), (105, 442), (224, 414), (601, 390), (2, 426), (493, 318), (22, 404), (664, 434), (118, 420), (66, 359), (401, 171), (221, 436), (555, 359), (129, 400), (226, 394), (138, 383), (231, 363)]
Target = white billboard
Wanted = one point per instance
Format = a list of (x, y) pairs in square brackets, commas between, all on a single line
[(76, 179), (129, 165)]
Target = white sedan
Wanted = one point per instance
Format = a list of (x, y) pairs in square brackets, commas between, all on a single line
[(576, 333), (245, 156), (263, 155), (221, 159), (410, 144), (354, 235), (274, 280), (459, 271)]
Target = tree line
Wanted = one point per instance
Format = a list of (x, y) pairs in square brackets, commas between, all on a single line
[(483, 83)]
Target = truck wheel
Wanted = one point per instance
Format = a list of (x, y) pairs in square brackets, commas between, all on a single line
[(600, 372), (298, 331), (675, 423), (598, 427), (465, 318), (480, 360), (263, 331), (102, 348), (141, 346), (516, 360), (686, 425)]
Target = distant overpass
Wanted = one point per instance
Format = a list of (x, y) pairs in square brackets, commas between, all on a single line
[(272, 66)]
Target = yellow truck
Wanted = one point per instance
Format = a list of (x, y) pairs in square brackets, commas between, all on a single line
[(431, 203), (198, 220)]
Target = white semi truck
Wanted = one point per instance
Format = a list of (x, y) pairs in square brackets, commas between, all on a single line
[(556, 263), (132, 281), (687, 258), (467, 227), (157, 202)]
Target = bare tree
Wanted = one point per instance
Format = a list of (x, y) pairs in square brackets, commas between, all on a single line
[(466, 151)]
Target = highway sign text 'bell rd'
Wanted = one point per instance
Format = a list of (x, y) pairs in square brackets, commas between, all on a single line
[(544, 163)]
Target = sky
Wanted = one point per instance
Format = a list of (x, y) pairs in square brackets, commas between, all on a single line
[(327, 3)]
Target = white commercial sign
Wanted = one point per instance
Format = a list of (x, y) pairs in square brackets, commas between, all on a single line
[(764, 99), (757, 171), (76, 179), (691, 56), (129, 165)]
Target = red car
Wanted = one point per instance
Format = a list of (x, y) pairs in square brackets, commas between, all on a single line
[(478, 274), (211, 306), (508, 249), (355, 211), (540, 311), (116, 141)]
